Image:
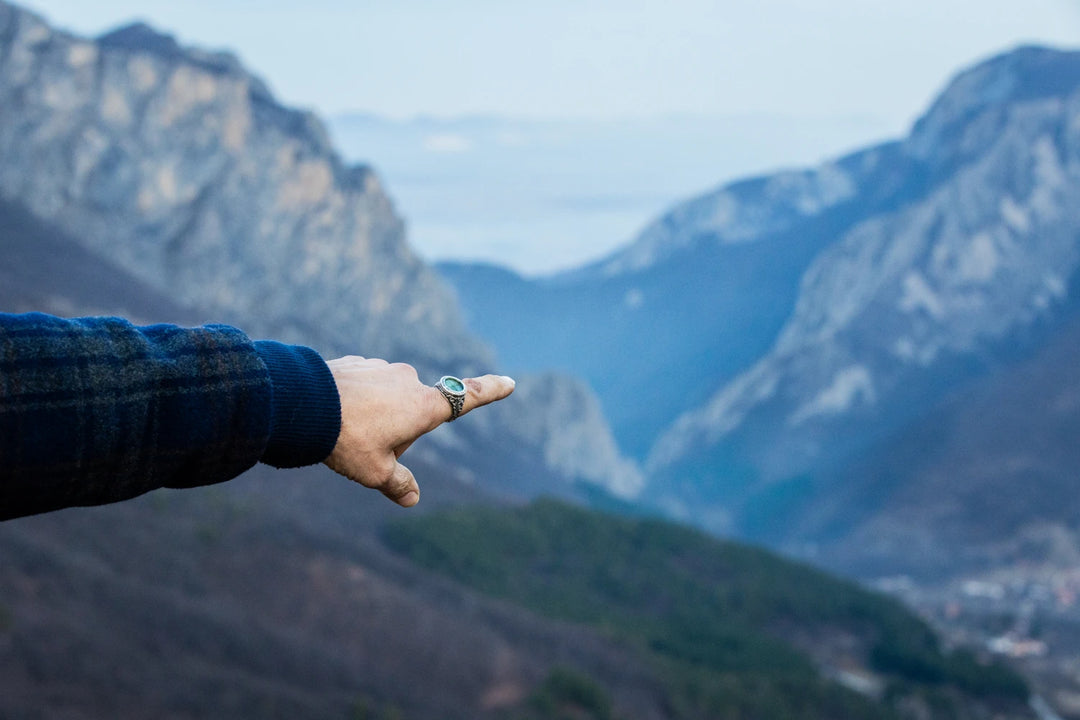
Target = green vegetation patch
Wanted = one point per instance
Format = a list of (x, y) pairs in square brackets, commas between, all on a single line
[(569, 694), (705, 613)]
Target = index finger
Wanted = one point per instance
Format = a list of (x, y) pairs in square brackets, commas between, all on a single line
[(479, 391), (487, 389)]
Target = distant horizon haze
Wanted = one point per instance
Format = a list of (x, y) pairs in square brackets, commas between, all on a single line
[(541, 197)]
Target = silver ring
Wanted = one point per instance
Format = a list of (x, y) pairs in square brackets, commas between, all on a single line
[(454, 391)]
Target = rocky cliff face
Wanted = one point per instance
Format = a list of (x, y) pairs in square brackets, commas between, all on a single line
[(986, 479), (566, 433), (911, 299), (179, 167)]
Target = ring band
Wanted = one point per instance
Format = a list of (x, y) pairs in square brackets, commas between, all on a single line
[(453, 389)]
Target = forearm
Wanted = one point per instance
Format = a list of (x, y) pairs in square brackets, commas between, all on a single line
[(97, 410)]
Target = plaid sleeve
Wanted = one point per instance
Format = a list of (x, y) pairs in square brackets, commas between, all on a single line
[(96, 410)]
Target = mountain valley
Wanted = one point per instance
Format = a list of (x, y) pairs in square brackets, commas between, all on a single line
[(810, 359)]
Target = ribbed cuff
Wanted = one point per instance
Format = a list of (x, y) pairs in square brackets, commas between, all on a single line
[(305, 415)]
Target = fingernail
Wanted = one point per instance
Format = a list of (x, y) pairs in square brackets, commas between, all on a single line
[(509, 379), (410, 499)]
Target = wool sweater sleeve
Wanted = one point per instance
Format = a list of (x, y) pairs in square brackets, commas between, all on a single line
[(96, 410)]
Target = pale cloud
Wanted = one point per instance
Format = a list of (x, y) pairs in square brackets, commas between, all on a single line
[(447, 143)]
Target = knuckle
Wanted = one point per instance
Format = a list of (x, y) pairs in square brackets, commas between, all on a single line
[(406, 370)]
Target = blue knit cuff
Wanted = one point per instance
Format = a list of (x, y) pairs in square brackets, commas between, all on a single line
[(306, 410)]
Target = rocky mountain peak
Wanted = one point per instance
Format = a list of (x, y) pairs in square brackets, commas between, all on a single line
[(741, 212), (1027, 74), (141, 37)]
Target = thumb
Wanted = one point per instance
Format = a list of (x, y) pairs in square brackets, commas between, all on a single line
[(401, 486)]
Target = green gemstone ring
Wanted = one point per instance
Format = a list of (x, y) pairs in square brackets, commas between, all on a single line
[(454, 391)]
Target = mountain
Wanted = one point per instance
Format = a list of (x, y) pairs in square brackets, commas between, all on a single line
[(701, 293), (183, 170), (917, 300), (755, 340), (178, 166), (259, 598), (693, 302), (731, 631), (44, 270), (987, 479)]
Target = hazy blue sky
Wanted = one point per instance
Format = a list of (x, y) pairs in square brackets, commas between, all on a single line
[(599, 58)]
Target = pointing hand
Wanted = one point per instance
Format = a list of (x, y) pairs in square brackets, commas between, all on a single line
[(384, 409)]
